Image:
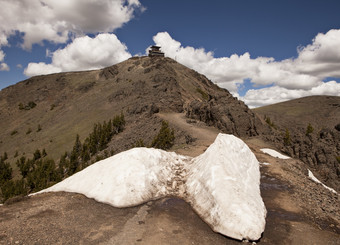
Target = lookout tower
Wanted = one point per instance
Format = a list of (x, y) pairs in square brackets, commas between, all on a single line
[(155, 51)]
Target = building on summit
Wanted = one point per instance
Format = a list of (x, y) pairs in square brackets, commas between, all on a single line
[(155, 51)]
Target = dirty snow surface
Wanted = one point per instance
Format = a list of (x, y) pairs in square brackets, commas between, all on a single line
[(274, 153), (312, 177), (222, 184)]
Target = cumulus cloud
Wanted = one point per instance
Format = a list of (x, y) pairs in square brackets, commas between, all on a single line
[(290, 78), (84, 53), (275, 94), (4, 67), (54, 21), (58, 21)]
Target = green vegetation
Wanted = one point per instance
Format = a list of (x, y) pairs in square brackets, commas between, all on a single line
[(165, 138), (204, 94), (338, 159), (269, 122), (286, 138), (5, 170), (40, 172), (309, 129), (139, 143), (14, 132), (30, 105), (101, 135)]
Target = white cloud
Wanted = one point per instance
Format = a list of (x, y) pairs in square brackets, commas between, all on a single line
[(55, 20), (322, 57), (2, 55), (290, 78), (275, 94), (4, 67), (84, 53), (58, 21)]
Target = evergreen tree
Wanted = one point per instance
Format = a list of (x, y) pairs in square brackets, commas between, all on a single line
[(286, 138), (309, 129), (165, 138), (5, 170), (36, 155)]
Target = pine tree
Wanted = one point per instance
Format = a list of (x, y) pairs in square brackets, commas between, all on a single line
[(165, 138), (286, 138), (309, 129)]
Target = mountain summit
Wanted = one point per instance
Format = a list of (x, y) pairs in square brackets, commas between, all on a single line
[(48, 111)]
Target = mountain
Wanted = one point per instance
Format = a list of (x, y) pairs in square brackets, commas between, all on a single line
[(157, 97), (313, 126), (49, 111)]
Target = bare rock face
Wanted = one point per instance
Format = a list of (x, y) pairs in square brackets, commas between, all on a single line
[(319, 147), (226, 113)]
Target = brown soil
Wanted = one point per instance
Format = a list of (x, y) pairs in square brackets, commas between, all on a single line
[(67, 218)]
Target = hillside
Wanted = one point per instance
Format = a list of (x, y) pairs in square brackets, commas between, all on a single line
[(313, 126), (147, 91), (68, 104)]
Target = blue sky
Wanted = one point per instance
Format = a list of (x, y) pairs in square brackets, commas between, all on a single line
[(224, 40)]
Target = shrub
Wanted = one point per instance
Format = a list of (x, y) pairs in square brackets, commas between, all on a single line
[(309, 129), (337, 127), (13, 188), (14, 132), (165, 138), (338, 159), (269, 122), (139, 143), (29, 131), (204, 94), (5, 170), (31, 105), (286, 138)]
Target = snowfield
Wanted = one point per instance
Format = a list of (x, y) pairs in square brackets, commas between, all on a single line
[(274, 153), (312, 177), (222, 184)]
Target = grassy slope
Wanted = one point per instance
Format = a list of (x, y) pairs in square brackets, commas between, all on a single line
[(320, 111), (84, 98)]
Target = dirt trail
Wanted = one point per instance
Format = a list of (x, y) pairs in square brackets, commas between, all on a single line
[(68, 218), (293, 202), (203, 135)]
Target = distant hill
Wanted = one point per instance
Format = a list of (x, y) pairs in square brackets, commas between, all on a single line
[(313, 125)]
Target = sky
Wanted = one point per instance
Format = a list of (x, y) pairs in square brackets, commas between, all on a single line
[(262, 51)]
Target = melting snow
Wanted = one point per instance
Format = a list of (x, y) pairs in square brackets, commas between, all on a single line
[(222, 184), (274, 153), (312, 177)]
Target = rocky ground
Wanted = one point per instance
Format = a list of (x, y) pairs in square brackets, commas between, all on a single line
[(300, 211)]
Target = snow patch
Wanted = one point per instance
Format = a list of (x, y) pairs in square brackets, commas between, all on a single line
[(222, 184), (126, 179), (274, 153), (312, 177), (265, 163)]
